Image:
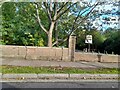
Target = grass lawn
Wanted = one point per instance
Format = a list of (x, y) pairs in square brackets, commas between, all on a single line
[(26, 69)]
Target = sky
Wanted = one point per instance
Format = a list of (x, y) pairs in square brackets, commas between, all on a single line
[(99, 22), (109, 24)]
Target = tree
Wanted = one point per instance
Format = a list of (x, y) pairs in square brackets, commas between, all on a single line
[(97, 39), (55, 21), (54, 12), (112, 43), (19, 26)]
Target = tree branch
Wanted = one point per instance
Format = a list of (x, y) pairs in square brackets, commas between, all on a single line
[(74, 29), (59, 15), (58, 11), (55, 11), (83, 20), (73, 26), (38, 18), (48, 11)]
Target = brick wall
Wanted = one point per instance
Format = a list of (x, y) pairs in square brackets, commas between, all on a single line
[(85, 57), (96, 57), (110, 58), (30, 52), (58, 54)]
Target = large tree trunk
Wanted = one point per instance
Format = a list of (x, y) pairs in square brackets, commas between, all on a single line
[(50, 34), (49, 40), (56, 33)]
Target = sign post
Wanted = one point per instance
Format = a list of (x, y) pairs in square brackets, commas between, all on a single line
[(89, 41)]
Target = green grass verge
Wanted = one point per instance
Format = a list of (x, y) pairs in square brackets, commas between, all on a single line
[(26, 69)]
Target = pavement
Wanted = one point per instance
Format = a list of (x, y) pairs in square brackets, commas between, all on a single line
[(40, 63), (58, 77)]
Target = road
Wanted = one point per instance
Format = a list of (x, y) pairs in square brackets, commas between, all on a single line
[(60, 85)]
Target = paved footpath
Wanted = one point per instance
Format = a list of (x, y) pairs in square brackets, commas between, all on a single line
[(40, 63), (65, 77)]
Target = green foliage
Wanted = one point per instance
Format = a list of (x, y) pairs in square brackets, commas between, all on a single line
[(98, 39), (112, 43), (19, 26), (103, 42)]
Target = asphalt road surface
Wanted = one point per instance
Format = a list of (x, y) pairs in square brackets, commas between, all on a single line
[(60, 85)]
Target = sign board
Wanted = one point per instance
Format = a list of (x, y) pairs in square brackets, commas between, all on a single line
[(88, 39)]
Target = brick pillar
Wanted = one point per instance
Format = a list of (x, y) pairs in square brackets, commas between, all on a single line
[(72, 44)]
